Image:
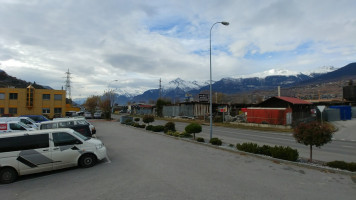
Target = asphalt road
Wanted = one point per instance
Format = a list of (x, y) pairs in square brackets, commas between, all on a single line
[(144, 165), (336, 150)]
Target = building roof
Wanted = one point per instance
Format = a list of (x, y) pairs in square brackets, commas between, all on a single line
[(293, 100)]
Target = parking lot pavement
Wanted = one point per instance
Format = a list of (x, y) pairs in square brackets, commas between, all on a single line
[(149, 166), (346, 130)]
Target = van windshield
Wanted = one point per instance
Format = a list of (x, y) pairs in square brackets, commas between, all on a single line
[(81, 136), (23, 125), (31, 120)]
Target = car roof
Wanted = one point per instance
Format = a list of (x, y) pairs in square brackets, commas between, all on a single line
[(36, 132)]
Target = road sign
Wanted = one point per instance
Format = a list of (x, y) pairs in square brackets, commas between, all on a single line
[(203, 97), (321, 108)]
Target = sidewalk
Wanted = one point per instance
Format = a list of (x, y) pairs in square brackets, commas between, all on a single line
[(346, 130)]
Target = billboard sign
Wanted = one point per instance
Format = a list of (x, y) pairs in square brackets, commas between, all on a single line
[(203, 97)]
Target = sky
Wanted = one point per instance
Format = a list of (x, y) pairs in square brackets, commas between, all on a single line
[(129, 45)]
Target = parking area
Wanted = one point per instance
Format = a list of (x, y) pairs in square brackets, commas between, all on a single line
[(144, 165)]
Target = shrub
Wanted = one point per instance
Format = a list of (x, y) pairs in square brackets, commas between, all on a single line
[(137, 119), (200, 139), (342, 165), (185, 134), (137, 125), (149, 127), (248, 147), (285, 153), (215, 141), (170, 126), (265, 150), (172, 133), (128, 121), (158, 128), (193, 128), (147, 119)]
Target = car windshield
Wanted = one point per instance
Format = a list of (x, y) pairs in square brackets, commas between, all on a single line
[(23, 125), (31, 120), (81, 136)]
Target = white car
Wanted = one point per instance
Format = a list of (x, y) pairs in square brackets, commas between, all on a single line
[(97, 114), (31, 152), (87, 115)]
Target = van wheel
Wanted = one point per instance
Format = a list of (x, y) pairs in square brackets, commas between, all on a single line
[(87, 160), (8, 175)]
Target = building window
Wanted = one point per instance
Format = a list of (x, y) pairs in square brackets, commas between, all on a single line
[(45, 110), (57, 110), (2, 95), (13, 111), (46, 96), (13, 96), (57, 97), (2, 111)]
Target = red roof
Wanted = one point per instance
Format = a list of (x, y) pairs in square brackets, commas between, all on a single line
[(294, 100)]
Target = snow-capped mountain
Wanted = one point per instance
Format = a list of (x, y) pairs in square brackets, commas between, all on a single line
[(271, 72), (267, 80), (183, 85)]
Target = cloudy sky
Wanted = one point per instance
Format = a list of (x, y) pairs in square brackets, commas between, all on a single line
[(138, 42)]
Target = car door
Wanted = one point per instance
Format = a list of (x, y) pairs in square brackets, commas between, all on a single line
[(66, 150), (35, 154)]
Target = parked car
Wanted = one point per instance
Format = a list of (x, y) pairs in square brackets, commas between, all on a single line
[(26, 120), (45, 150), (36, 118), (98, 115), (68, 123), (87, 115), (14, 126)]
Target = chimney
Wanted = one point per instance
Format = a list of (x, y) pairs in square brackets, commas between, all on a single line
[(279, 91)]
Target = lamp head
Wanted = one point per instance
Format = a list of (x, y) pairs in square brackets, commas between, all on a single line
[(225, 23)]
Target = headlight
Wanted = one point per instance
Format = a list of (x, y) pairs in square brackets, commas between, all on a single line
[(99, 146)]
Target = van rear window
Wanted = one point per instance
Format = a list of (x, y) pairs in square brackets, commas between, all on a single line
[(24, 142)]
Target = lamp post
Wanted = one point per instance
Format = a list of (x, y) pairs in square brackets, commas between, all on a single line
[(211, 87)]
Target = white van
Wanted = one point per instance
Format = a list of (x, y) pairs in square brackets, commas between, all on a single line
[(14, 126), (26, 120), (66, 122), (45, 150)]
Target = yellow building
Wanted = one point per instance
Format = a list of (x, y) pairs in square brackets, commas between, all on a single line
[(31, 101)]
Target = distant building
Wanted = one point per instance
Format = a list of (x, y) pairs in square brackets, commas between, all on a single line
[(31, 101), (300, 109), (349, 92)]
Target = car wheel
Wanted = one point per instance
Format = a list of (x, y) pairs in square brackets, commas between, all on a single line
[(87, 160), (8, 175)]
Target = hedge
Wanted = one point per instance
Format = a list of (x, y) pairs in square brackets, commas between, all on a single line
[(285, 153)]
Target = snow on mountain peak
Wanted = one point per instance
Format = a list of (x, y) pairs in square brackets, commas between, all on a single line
[(321, 70), (270, 72), (182, 84)]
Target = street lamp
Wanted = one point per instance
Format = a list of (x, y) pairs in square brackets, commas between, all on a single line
[(211, 87)]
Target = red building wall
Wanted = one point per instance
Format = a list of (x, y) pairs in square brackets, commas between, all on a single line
[(275, 116)]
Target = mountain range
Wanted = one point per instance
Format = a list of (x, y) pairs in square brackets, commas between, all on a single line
[(178, 89)]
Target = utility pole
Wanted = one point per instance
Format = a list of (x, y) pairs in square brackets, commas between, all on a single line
[(67, 85)]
